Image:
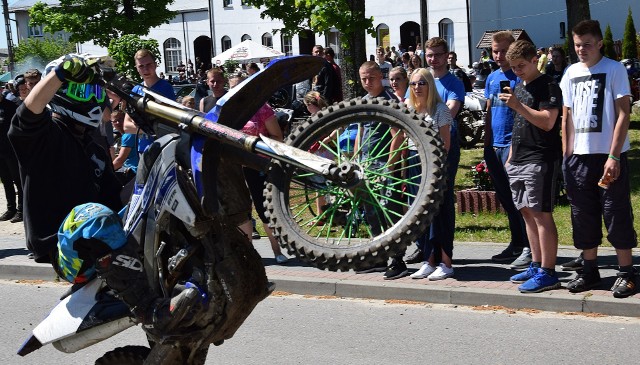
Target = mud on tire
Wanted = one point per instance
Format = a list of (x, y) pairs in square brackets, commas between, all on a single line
[(341, 231), (127, 355)]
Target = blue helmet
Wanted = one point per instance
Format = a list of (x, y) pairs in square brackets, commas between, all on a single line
[(91, 221)]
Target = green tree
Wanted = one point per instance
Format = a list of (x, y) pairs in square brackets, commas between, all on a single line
[(609, 51), (124, 48), (348, 16), (101, 21), (629, 45), (38, 52)]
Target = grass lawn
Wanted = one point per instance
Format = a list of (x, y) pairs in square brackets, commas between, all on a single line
[(489, 227)]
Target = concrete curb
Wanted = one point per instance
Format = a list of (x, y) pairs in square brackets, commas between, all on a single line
[(304, 280), (578, 303)]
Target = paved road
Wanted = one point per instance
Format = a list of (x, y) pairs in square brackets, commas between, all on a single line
[(477, 281), (292, 329)]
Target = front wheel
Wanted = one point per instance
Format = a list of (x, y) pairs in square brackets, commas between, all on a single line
[(334, 225)]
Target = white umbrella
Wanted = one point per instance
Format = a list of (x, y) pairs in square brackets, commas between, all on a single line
[(247, 51)]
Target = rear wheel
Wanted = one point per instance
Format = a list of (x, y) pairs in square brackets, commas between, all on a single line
[(127, 355), (340, 226)]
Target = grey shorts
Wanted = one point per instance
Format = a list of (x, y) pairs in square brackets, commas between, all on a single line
[(533, 185)]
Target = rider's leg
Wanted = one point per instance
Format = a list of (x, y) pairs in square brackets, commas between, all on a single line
[(123, 272)]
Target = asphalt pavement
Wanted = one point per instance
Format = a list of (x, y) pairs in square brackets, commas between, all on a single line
[(477, 281)]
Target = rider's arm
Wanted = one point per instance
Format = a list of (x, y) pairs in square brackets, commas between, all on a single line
[(42, 93)]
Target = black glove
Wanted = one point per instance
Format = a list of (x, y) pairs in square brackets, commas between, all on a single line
[(77, 69)]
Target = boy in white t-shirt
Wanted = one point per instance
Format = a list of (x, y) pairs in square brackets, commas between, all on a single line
[(596, 95)]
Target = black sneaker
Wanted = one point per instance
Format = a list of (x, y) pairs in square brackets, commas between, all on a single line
[(416, 257), (584, 281), (508, 255), (625, 285), (377, 268), (16, 218), (7, 215), (573, 265), (396, 270)]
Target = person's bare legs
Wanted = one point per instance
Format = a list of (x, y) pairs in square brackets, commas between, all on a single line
[(543, 237), (275, 247), (547, 239)]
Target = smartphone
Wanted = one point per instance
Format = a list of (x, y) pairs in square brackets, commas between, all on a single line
[(503, 85)]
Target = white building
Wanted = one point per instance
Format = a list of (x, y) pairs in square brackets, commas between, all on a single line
[(194, 33)]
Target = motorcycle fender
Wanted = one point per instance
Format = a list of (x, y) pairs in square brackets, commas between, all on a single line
[(72, 324), (171, 198), (161, 191), (66, 318)]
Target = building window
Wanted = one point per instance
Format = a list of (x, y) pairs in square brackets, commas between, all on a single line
[(227, 3), (382, 32), (287, 45), (267, 40), (172, 54), (333, 41), (446, 32), (35, 31), (245, 38), (226, 43)]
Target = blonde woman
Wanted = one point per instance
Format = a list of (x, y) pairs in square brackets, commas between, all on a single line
[(314, 102), (424, 99)]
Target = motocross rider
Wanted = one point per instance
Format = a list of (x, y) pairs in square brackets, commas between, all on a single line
[(62, 167)]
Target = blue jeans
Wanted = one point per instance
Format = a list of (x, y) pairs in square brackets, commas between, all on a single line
[(495, 158), (441, 232)]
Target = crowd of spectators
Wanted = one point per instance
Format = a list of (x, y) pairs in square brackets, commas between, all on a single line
[(531, 96)]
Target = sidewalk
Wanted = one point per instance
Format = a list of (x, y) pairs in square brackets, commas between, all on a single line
[(477, 282)]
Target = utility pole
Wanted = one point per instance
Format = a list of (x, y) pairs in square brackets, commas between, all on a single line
[(7, 27), (424, 28)]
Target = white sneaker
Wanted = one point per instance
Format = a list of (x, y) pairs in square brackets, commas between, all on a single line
[(442, 272), (425, 270), (281, 259)]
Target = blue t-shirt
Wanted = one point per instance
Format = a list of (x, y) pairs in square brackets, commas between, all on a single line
[(162, 87), (501, 114), (451, 88), (129, 140)]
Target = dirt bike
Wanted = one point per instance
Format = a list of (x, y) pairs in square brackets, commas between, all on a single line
[(471, 119), (184, 241)]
